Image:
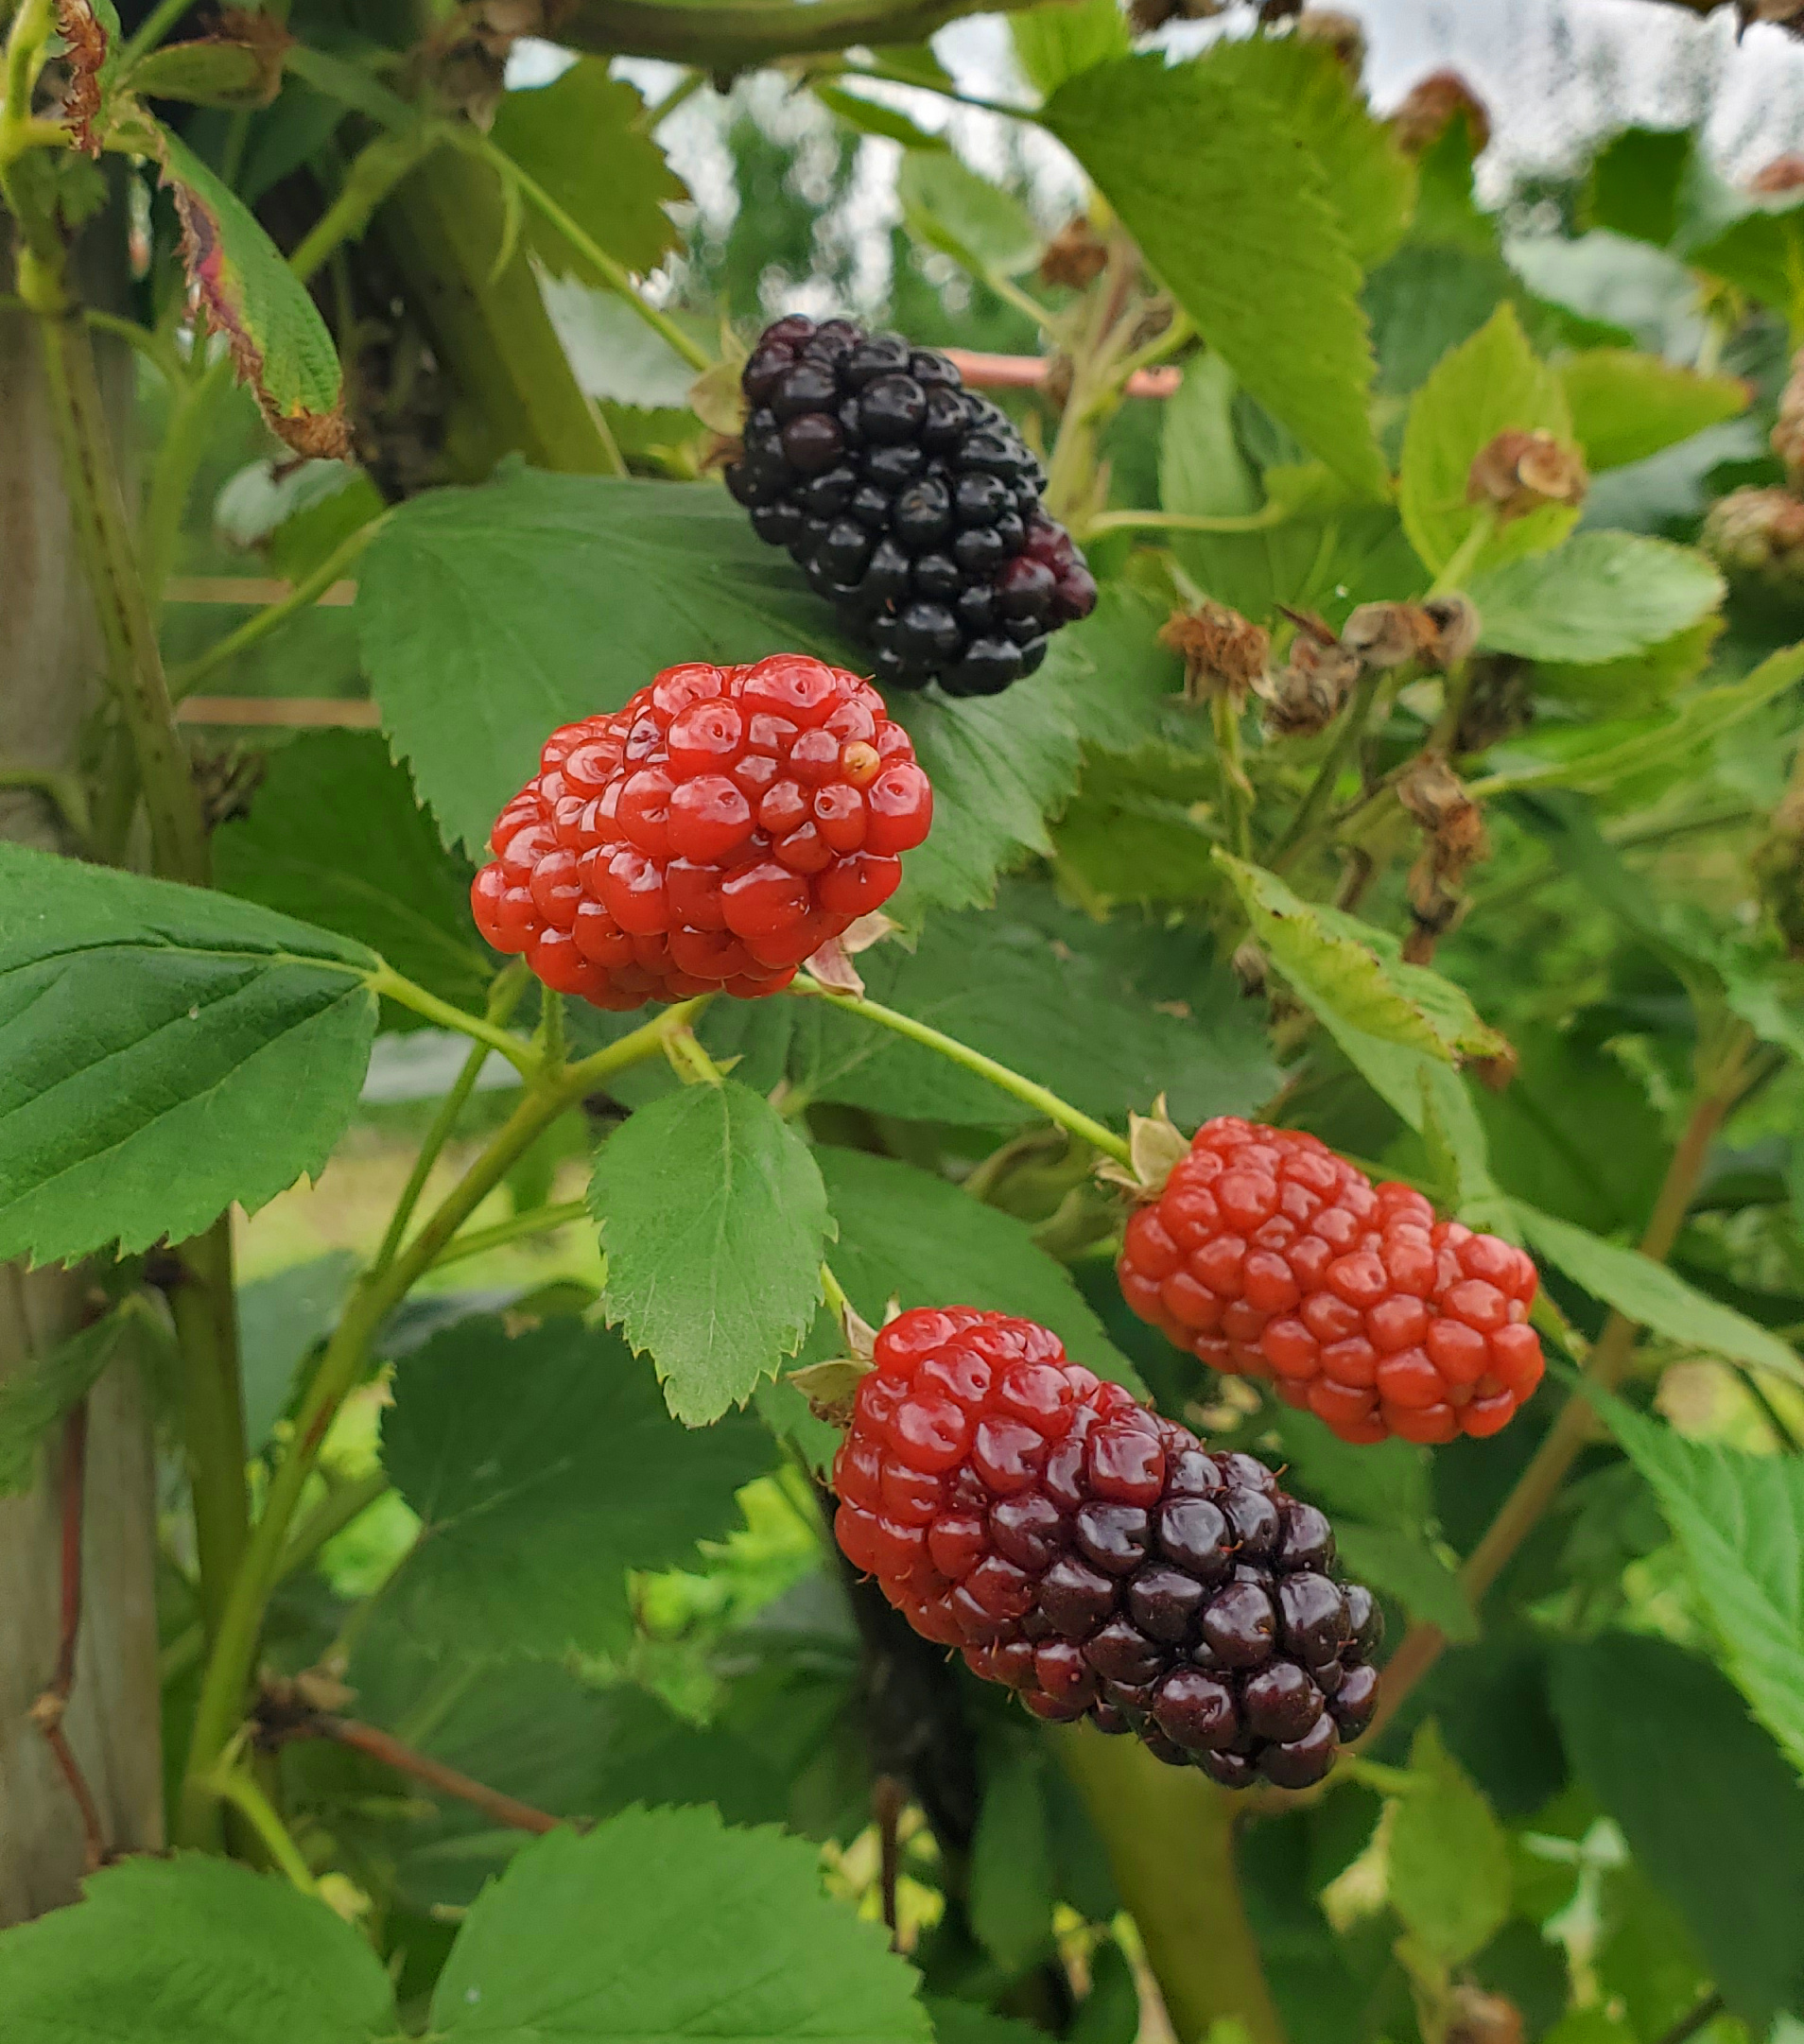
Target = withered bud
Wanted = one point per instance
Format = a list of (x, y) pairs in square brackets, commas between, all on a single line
[(1438, 633), (1754, 534), (1500, 701), (1075, 257), (1520, 472), (1342, 33), (1223, 651), (1314, 684), (225, 778), (1480, 2017), (1783, 174), (1496, 1073), (1429, 791), (1430, 105), (1788, 429)]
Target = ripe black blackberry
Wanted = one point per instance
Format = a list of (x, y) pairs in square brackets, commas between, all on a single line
[(1091, 1557), (910, 503)]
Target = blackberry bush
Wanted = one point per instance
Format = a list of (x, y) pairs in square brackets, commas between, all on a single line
[(710, 836), (910, 503), (1088, 1555), (1265, 1254)]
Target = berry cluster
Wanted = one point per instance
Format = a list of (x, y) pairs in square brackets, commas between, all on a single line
[(712, 835), (909, 503), (1092, 1557), (1266, 1255)]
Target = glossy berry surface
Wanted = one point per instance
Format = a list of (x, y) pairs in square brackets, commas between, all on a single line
[(910, 503), (710, 836), (1267, 1256), (1090, 1556)]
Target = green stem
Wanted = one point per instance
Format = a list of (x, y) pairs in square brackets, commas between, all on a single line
[(371, 175), (342, 1506), (204, 1309), (1321, 789), (1027, 1090), (834, 1293), (504, 997), (517, 1229), (63, 791), (233, 1656), (549, 1040), (1262, 520), (650, 118), (151, 31), (1236, 792), (617, 276), (272, 616), (1466, 554), (156, 348), (178, 462), (103, 534), (391, 982), (1170, 1837), (237, 1787), (725, 36)]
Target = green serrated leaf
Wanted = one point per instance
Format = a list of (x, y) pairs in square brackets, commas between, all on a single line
[(581, 588), (191, 1951), (714, 1220), (747, 1946), (1053, 44), (278, 340), (872, 117), (1626, 406), (164, 1051), (35, 1395), (1655, 1296), (1172, 149), (576, 139), (1711, 1809), (1011, 1880), (1739, 1519), (1448, 1858), (1489, 385), (335, 833), (976, 222), (543, 1467), (1603, 595)]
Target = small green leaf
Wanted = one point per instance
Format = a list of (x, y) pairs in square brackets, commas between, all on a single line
[(1712, 1812), (576, 139), (746, 1947), (335, 833), (278, 340), (1053, 44), (35, 1395), (1603, 595), (1450, 1857), (1174, 148), (1337, 964), (191, 1951), (1655, 1296), (1626, 406), (215, 71), (282, 1318), (1762, 251), (164, 1051), (543, 1467), (713, 1220), (1489, 385), (977, 223), (1739, 1519), (872, 117)]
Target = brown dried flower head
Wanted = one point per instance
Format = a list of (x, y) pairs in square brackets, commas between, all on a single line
[(1500, 701), (1788, 430), (1431, 104), (1479, 2016), (1783, 174), (1342, 33), (1520, 472), (1453, 827), (1309, 692), (1438, 633), (1075, 257), (1758, 535), (1222, 650)]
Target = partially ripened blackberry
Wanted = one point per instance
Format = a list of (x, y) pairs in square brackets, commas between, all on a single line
[(910, 503), (1089, 1554)]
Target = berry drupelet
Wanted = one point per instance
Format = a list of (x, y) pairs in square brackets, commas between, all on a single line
[(710, 836), (1089, 1554), (910, 503), (1265, 1254)]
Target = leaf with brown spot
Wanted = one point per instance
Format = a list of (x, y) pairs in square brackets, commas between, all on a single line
[(247, 291), (91, 29)]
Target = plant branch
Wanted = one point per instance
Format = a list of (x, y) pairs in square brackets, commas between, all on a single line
[(1262, 520), (272, 616), (1321, 790), (391, 982), (233, 1656), (1540, 1483), (236, 1786), (1027, 1090), (1694, 2020), (204, 1309), (1170, 1837), (518, 1228), (742, 34), (373, 174), (49, 1711), (506, 1810), (343, 1505)]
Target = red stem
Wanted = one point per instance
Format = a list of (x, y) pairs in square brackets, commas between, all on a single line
[(49, 1711)]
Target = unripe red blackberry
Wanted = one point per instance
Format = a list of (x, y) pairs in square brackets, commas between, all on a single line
[(1266, 1255), (710, 836), (910, 503), (1089, 1554)]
